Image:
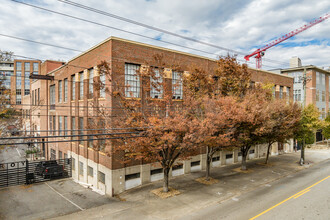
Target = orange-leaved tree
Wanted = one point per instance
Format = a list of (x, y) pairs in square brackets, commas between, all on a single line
[(282, 123)]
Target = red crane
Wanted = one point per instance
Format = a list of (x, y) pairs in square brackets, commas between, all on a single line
[(261, 51)]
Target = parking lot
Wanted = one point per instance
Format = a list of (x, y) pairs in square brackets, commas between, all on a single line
[(47, 200)]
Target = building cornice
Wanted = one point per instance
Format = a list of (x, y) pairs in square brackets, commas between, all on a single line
[(305, 67)]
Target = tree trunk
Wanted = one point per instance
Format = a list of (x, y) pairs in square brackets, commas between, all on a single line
[(165, 185), (244, 154), (302, 156), (208, 163), (268, 152)]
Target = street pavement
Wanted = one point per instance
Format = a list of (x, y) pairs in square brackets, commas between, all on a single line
[(48, 199), (12, 153), (237, 195), (305, 195)]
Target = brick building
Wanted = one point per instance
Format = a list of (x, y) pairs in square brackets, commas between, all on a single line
[(6, 71), (70, 103), (317, 86)]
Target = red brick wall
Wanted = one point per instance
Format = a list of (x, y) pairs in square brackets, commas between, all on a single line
[(117, 53)]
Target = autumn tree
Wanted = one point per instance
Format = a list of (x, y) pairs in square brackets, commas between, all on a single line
[(164, 140), (6, 55), (213, 98), (326, 128), (158, 131), (215, 131), (308, 124), (251, 127), (282, 122), (6, 110)]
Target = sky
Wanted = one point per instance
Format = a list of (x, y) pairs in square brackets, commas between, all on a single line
[(239, 25)]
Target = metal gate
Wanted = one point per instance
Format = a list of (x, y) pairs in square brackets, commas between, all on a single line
[(27, 172)]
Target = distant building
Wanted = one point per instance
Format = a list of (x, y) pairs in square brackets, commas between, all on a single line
[(317, 86), (6, 71), (20, 81)]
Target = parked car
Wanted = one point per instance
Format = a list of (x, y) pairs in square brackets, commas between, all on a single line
[(49, 169), (13, 130)]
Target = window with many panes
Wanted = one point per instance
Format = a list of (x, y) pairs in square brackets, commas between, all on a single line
[(102, 86), (81, 168), (81, 85), (73, 87), (281, 92), (52, 94), (52, 154), (90, 122), (60, 91), (132, 80), (60, 125), (156, 84), (73, 126), (287, 93), (65, 122), (323, 96), (177, 85), (101, 125), (26, 78), (91, 83), (35, 68), (50, 124), (54, 124), (38, 96), (81, 127), (317, 95), (65, 90), (90, 171), (101, 177), (297, 95), (18, 83)]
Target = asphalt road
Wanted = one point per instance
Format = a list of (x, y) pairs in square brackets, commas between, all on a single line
[(305, 195), (47, 200), (12, 153)]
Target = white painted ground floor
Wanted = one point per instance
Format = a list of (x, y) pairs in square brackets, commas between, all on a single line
[(111, 182)]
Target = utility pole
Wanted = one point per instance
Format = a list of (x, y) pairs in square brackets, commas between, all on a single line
[(305, 79)]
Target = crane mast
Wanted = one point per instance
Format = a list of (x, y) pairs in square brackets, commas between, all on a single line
[(259, 53)]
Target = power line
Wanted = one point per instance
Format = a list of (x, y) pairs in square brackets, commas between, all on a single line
[(76, 106), (156, 28), (37, 42), (93, 139), (137, 128), (129, 32), (43, 43), (148, 26), (64, 136), (108, 26)]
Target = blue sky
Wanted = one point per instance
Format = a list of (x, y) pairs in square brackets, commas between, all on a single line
[(239, 25)]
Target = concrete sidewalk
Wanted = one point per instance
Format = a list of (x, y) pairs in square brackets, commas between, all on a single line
[(140, 203)]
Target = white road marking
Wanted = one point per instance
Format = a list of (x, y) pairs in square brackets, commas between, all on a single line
[(65, 197), (18, 152)]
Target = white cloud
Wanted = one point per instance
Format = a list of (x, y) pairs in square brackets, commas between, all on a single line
[(239, 25)]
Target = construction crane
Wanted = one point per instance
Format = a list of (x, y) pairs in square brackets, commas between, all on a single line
[(259, 53)]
